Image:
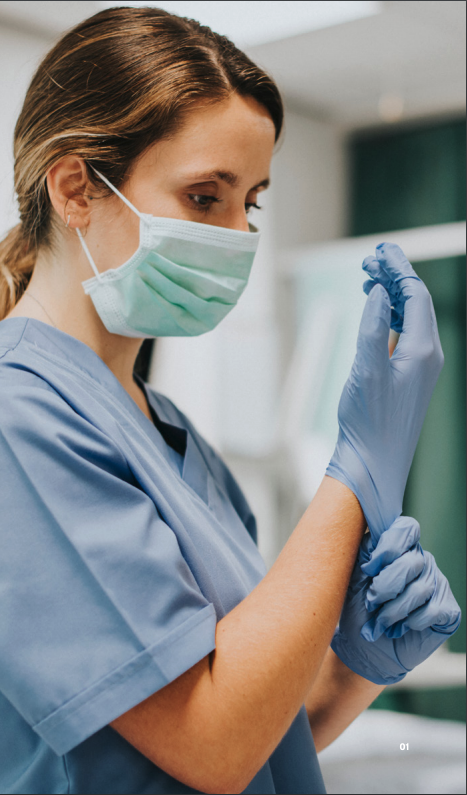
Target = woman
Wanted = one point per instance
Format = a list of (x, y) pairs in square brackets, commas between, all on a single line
[(144, 647)]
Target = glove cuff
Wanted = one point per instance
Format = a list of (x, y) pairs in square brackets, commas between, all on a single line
[(357, 663), (347, 466)]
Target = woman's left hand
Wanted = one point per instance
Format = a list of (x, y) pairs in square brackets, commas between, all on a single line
[(399, 607)]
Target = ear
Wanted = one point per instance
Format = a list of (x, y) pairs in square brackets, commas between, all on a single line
[(68, 186)]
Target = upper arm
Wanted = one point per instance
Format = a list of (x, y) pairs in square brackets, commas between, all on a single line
[(99, 607), (175, 729)]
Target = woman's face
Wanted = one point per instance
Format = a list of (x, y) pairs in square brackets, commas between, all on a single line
[(211, 171)]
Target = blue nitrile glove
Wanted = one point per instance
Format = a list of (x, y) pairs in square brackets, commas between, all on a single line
[(384, 400), (374, 269), (391, 623)]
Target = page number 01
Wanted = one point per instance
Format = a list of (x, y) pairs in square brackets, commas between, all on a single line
[(404, 746)]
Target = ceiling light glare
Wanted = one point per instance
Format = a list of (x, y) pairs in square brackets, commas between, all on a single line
[(251, 22), (391, 107)]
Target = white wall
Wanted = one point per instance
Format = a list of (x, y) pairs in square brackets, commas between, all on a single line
[(309, 182), (20, 53)]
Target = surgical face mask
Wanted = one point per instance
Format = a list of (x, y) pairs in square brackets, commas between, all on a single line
[(182, 280)]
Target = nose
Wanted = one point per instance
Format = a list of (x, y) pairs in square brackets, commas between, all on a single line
[(236, 219)]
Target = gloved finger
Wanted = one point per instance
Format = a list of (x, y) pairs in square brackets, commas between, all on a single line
[(394, 262), (444, 620), (444, 610), (368, 286), (379, 276), (372, 342), (397, 539), (392, 580), (395, 295), (397, 306), (417, 593), (416, 340), (413, 648), (372, 266)]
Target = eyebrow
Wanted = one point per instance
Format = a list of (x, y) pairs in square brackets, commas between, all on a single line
[(229, 177)]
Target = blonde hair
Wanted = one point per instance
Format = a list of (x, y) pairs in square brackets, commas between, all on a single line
[(112, 86)]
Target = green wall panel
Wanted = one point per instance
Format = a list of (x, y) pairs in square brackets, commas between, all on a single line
[(435, 492), (406, 178)]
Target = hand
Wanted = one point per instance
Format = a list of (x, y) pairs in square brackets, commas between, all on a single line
[(384, 401), (399, 607)]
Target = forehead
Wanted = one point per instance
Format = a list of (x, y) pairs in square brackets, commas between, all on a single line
[(232, 116), (227, 141)]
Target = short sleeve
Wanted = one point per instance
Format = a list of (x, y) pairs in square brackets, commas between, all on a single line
[(99, 608)]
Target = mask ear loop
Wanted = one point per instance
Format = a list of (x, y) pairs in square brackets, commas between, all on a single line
[(78, 231), (88, 254), (123, 198)]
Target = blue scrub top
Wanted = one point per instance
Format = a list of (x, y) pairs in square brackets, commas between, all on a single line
[(123, 542)]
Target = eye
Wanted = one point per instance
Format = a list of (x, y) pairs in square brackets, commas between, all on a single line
[(202, 202)]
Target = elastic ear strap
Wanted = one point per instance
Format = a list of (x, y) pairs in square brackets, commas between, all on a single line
[(123, 198), (88, 253)]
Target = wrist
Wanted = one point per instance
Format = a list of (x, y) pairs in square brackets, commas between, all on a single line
[(347, 678), (341, 500), (348, 467)]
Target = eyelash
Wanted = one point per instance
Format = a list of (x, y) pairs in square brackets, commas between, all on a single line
[(212, 200)]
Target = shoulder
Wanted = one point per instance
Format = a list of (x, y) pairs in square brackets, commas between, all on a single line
[(11, 334), (38, 424), (22, 387)]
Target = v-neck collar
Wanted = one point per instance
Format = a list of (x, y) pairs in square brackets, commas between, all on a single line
[(195, 472)]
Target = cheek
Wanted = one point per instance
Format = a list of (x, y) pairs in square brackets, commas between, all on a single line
[(164, 203)]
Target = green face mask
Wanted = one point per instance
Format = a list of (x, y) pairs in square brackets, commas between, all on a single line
[(183, 279)]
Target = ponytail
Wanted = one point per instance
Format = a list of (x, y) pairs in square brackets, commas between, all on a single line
[(16, 266)]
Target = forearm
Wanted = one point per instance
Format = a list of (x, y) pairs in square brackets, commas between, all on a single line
[(270, 647), (218, 723), (336, 698)]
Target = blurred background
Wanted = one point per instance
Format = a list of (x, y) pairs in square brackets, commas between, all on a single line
[(373, 150)]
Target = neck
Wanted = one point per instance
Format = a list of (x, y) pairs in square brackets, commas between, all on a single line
[(61, 295)]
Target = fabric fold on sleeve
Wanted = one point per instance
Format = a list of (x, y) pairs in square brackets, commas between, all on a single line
[(130, 684)]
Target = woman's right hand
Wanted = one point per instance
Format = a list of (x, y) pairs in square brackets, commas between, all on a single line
[(384, 401), (399, 607)]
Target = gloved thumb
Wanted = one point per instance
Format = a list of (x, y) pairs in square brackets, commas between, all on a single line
[(373, 335)]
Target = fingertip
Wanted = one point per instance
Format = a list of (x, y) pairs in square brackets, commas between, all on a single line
[(368, 286), (392, 248), (368, 260), (380, 292)]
